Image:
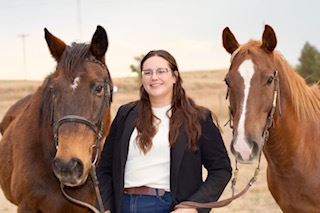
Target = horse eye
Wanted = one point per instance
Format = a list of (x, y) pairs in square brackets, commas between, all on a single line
[(270, 80), (98, 90)]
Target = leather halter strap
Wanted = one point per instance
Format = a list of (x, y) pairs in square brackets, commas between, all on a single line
[(276, 99), (97, 128), (227, 201), (265, 134), (96, 187), (78, 119)]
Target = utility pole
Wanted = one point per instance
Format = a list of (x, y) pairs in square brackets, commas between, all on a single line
[(23, 37), (79, 18)]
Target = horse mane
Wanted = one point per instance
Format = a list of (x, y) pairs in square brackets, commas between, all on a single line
[(46, 107), (305, 99)]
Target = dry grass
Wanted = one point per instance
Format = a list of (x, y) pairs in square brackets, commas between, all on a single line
[(206, 88)]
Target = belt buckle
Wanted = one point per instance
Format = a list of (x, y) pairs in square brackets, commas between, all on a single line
[(160, 192)]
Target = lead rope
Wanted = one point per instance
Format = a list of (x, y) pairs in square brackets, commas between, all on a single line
[(96, 187), (94, 180), (225, 202), (109, 88)]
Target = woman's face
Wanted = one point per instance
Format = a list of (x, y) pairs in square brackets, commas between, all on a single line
[(158, 79)]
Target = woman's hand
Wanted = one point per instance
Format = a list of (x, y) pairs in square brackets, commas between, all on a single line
[(185, 210)]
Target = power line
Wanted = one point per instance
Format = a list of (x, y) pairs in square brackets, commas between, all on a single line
[(79, 18), (23, 37)]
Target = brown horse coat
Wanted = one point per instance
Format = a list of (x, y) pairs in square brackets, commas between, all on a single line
[(13, 112), (292, 150), (27, 149)]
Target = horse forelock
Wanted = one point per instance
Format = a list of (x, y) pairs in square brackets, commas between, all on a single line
[(72, 59)]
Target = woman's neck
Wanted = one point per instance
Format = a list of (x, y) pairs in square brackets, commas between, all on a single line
[(159, 103)]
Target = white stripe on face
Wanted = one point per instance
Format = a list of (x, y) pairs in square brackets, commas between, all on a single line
[(246, 71), (75, 84)]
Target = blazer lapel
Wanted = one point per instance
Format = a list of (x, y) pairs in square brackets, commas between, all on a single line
[(177, 152), (129, 125)]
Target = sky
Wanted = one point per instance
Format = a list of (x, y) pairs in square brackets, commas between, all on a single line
[(189, 29)]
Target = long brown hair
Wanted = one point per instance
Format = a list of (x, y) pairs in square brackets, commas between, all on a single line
[(185, 114)]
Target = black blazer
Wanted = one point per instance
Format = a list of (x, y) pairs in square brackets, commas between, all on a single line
[(185, 166)]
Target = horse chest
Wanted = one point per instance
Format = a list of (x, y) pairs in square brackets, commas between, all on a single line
[(294, 193)]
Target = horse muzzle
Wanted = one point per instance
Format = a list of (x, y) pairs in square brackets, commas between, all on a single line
[(70, 173), (245, 151)]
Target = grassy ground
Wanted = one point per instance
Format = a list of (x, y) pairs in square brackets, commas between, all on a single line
[(207, 89)]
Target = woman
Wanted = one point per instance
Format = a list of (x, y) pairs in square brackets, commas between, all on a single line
[(153, 156)]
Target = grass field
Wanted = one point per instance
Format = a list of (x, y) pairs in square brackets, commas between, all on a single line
[(206, 88)]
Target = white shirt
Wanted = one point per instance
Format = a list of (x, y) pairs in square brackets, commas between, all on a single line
[(153, 168)]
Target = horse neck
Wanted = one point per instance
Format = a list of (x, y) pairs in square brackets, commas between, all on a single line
[(292, 135), (42, 135)]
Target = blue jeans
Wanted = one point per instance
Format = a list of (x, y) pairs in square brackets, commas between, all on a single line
[(146, 203)]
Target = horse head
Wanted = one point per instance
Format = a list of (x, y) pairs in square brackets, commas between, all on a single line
[(79, 95), (253, 86)]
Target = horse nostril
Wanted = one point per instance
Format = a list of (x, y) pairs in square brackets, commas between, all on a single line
[(57, 164), (73, 163), (254, 146), (73, 166), (76, 166), (234, 152)]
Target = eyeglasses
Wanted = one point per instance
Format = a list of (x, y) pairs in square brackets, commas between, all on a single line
[(159, 72)]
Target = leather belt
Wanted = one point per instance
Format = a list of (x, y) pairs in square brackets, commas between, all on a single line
[(144, 190)]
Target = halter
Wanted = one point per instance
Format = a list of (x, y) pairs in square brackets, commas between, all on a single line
[(265, 134), (276, 98), (96, 127)]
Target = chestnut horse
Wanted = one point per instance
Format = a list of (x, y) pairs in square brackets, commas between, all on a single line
[(52, 140), (264, 90)]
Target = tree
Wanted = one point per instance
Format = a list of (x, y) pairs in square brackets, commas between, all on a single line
[(309, 66), (135, 68)]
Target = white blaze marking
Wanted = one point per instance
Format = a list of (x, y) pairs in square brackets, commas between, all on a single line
[(75, 83), (246, 71)]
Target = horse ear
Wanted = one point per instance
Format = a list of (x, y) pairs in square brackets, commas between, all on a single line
[(56, 46), (230, 42), (99, 43), (269, 39)]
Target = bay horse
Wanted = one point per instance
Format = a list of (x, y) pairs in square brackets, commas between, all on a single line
[(274, 110), (14, 112), (53, 140)]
